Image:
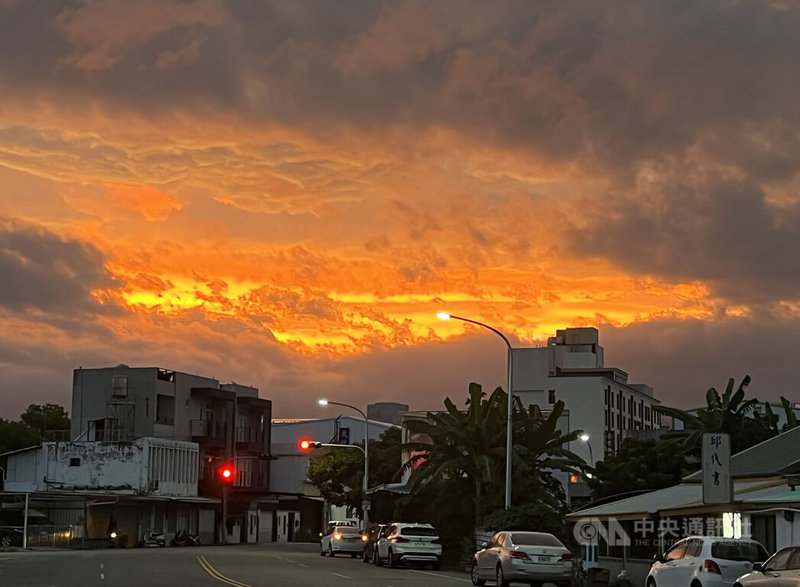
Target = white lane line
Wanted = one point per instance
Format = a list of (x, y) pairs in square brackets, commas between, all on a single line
[(342, 576), (440, 576)]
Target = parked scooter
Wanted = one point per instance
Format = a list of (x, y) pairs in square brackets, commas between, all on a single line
[(153, 539), (183, 538)]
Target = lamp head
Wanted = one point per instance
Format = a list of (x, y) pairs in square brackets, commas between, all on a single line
[(322, 402), (443, 316), (584, 437)]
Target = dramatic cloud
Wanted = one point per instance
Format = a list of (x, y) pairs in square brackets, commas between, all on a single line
[(285, 194)]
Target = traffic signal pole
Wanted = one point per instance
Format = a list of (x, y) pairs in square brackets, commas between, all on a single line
[(225, 514)]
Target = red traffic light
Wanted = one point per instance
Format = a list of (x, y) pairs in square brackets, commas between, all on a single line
[(307, 444), (227, 473)]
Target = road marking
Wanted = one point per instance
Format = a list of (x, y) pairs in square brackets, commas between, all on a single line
[(441, 576), (342, 576), (216, 574)]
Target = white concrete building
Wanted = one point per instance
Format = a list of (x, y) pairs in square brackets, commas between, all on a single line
[(146, 466), (599, 399)]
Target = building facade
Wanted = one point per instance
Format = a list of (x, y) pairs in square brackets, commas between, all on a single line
[(599, 399)]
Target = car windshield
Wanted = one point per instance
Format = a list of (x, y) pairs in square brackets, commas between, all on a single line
[(346, 530), (417, 531), (535, 539), (738, 551)]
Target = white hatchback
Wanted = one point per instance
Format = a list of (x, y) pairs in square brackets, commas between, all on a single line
[(705, 561)]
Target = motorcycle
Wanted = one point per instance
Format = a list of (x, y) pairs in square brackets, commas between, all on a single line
[(153, 539), (183, 538)]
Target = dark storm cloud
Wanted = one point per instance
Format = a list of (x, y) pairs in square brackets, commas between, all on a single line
[(608, 83), (42, 271), (722, 232), (681, 359)]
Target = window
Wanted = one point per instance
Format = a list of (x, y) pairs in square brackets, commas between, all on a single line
[(676, 551), (693, 548), (165, 409), (780, 560), (551, 396)]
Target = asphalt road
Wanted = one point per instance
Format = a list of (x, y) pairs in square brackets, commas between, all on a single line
[(263, 565)]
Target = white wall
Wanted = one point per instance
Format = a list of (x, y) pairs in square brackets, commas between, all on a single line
[(108, 466)]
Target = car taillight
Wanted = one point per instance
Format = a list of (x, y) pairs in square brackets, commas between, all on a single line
[(337, 536), (518, 554), (400, 539), (364, 538), (567, 556), (710, 566)]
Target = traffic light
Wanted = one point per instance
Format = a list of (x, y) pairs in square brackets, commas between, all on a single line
[(306, 444), (227, 473)]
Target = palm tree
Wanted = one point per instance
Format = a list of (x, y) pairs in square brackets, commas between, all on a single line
[(470, 444), (728, 413)]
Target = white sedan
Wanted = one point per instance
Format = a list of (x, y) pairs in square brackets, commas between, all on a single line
[(341, 540)]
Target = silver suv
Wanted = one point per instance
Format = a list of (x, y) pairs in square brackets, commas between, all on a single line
[(402, 542)]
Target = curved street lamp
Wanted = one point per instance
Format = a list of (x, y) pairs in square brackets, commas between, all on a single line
[(509, 434), (365, 484)]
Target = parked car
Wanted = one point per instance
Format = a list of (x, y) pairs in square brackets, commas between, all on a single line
[(705, 561), (526, 557), (369, 540), (12, 524), (402, 543), (782, 569), (341, 540)]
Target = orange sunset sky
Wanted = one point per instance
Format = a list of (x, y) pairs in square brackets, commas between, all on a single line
[(284, 194)]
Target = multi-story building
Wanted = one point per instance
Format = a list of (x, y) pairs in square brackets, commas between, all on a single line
[(599, 399), (228, 421), (147, 444)]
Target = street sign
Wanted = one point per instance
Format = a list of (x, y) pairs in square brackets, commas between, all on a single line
[(717, 480)]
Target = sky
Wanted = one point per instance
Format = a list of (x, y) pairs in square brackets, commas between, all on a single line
[(285, 193)]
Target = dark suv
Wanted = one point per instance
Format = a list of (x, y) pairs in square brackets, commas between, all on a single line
[(370, 539)]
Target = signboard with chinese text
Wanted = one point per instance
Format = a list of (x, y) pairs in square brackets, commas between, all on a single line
[(717, 480)]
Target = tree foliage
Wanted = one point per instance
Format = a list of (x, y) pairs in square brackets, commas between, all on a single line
[(338, 473), (30, 429), (471, 444), (639, 464), (729, 413)]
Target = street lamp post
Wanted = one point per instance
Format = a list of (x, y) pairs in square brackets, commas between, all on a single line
[(585, 438), (365, 484), (509, 433)]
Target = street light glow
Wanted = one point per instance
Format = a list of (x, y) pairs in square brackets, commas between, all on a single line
[(322, 402), (443, 316), (584, 437)]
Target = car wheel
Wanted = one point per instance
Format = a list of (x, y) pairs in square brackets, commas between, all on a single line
[(376, 558), (392, 561), (474, 575), (651, 582), (321, 552), (501, 580), (330, 552), (5, 541)]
